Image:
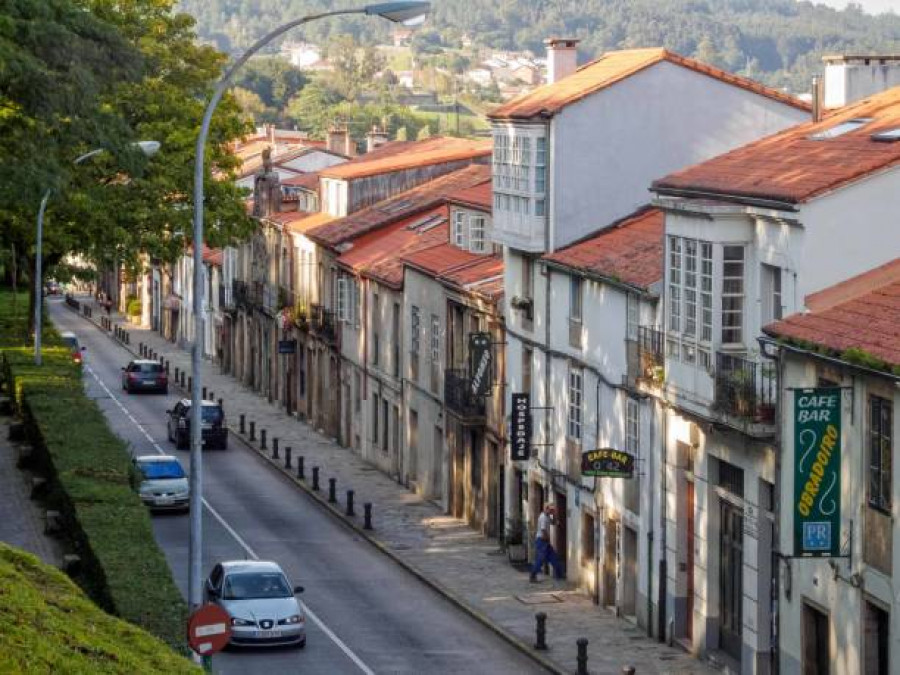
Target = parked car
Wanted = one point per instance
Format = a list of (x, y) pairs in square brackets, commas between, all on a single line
[(214, 433), (71, 341), (261, 602), (52, 288), (142, 375), (163, 484)]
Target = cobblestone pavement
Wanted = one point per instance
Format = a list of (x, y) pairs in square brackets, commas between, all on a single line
[(468, 568)]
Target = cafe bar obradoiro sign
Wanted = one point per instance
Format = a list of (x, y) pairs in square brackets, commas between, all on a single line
[(817, 472), (607, 463)]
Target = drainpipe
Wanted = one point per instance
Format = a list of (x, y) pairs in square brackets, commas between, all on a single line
[(663, 560), (597, 520), (650, 535)]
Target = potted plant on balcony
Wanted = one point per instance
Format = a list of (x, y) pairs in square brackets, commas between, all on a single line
[(301, 316)]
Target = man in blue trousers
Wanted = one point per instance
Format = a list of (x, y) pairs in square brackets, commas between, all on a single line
[(544, 552)]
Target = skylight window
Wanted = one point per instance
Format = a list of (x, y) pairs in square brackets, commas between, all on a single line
[(887, 136), (393, 207), (427, 223), (841, 129)]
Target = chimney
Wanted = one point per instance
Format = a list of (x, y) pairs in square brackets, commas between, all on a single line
[(375, 138), (270, 136), (562, 58), (851, 77), (816, 99), (338, 139)]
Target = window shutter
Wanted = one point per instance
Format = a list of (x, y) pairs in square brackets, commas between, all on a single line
[(342, 299)]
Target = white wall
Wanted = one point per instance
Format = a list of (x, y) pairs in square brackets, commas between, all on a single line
[(608, 147)]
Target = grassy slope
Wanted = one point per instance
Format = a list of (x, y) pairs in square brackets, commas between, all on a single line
[(47, 624)]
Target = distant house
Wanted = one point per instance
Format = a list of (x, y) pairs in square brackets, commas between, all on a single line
[(302, 55)]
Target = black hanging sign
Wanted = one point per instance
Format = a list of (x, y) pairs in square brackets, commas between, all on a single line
[(520, 444), (287, 346), (607, 463), (480, 363)]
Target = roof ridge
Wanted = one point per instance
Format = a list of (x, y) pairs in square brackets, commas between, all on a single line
[(855, 287)]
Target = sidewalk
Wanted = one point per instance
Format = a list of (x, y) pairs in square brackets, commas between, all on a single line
[(443, 551)]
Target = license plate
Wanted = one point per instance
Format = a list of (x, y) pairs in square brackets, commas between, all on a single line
[(164, 501), (268, 633), (149, 383)]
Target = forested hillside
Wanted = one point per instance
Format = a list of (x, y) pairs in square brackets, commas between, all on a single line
[(778, 41)]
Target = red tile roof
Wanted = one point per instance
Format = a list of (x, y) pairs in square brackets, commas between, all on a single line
[(630, 251), (440, 259), (792, 167), (611, 68), (417, 153), (479, 196), (380, 254), (307, 181), (422, 197), (457, 268), (866, 316)]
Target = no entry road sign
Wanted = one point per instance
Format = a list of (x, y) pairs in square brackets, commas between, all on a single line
[(209, 629)]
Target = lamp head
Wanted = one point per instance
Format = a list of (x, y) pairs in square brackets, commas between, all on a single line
[(400, 12)]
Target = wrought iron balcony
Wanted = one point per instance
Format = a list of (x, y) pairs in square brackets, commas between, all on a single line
[(323, 323), (240, 293), (459, 399), (745, 389), (651, 354)]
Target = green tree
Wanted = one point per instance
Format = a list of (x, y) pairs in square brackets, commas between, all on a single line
[(354, 67)]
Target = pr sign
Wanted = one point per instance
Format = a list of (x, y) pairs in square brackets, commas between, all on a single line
[(520, 443), (817, 472), (607, 463), (480, 362)]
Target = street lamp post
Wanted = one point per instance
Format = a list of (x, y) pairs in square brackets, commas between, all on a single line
[(398, 12), (149, 148)]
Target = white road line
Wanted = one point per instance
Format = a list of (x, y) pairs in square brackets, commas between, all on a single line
[(243, 544)]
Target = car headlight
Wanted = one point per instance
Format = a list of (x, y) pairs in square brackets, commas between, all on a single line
[(291, 620), (183, 493), (235, 621)]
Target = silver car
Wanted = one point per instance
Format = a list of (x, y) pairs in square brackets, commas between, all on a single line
[(260, 600), (163, 483)]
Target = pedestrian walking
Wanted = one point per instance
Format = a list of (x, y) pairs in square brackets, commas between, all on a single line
[(544, 551)]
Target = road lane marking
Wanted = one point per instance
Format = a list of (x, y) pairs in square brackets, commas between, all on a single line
[(243, 544)]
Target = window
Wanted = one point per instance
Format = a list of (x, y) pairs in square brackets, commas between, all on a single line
[(576, 387), (385, 411), (415, 321), (519, 166), (771, 294), (376, 322), (476, 234), (375, 398), (675, 284), (475, 461), (689, 302), (459, 224), (732, 294), (435, 338), (357, 388), (527, 358), (575, 299), (395, 334), (527, 277), (880, 442), (632, 428), (632, 316), (587, 538), (540, 165), (840, 129), (342, 304)]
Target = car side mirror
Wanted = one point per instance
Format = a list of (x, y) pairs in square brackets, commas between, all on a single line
[(298, 589)]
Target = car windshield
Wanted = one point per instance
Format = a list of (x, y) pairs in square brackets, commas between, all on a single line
[(212, 414), (256, 585), (145, 368), (161, 470), (71, 342)]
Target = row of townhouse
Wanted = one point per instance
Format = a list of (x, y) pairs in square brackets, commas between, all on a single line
[(640, 306)]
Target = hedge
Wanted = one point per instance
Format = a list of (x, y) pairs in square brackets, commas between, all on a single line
[(89, 475)]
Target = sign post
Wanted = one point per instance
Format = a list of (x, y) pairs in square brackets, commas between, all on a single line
[(817, 472), (520, 423), (607, 463), (480, 363)]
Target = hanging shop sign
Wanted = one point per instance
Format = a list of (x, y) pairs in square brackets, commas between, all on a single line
[(480, 363), (287, 346), (817, 472), (607, 463), (520, 432)]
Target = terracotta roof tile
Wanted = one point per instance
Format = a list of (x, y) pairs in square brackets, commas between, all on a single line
[(307, 181), (418, 153), (440, 259), (865, 317), (479, 196), (630, 251), (419, 198), (791, 166), (613, 67), (483, 276), (380, 254)]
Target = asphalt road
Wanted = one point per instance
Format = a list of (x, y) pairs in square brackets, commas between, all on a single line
[(364, 613)]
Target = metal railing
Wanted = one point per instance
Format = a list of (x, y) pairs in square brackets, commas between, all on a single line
[(458, 396), (323, 323), (651, 352), (745, 388)]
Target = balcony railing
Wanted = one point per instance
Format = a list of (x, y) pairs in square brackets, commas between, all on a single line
[(323, 323), (240, 293), (745, 389), (651, 354), (459, 399)]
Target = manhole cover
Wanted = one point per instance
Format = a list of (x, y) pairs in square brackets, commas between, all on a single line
[(538, 599)]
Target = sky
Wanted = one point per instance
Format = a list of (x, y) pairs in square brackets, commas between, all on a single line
[(870, 6)]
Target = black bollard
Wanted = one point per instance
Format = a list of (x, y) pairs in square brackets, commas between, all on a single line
[(315, 485), (252, 430), (274, 447), (127, 338), (350, 503), (541, 631), (167, 366), (182, 379), (161, 360), (332, 490), (141, 348), (243, 424), (262, 439), (220, 404), (367, 516), (301, 469), (204, 393), (287, 457), (190, 384), (212, 395), (582, 656), (176, 373)]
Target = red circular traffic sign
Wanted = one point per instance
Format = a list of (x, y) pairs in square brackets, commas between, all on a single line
[(209, 629)]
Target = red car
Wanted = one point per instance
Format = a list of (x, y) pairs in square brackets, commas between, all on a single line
[(71, 341)]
